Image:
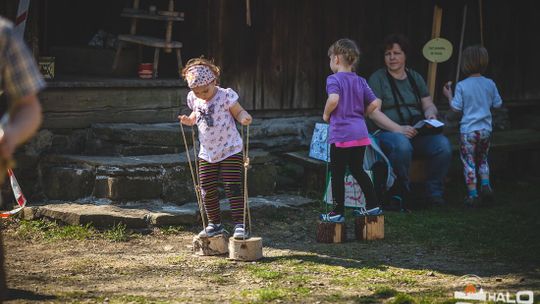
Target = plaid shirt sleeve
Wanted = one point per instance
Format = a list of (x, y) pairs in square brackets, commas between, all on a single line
[(20, 74)]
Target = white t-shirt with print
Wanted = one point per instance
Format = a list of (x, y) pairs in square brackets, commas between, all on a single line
[(218, 134)]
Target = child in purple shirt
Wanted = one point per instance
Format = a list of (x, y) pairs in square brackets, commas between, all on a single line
[(350, 99)]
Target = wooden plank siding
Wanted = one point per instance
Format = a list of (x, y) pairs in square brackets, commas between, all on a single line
[(281, 62), (81, 107)]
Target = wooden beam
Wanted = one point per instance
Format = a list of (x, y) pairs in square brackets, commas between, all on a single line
[(133, 28), (248, 12), (463, 26), (480, 9), (435, 33)]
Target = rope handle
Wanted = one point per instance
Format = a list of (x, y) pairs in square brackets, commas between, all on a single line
[(196, 181), (245, 158)]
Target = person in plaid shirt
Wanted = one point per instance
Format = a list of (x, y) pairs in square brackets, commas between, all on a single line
[(20, 82)]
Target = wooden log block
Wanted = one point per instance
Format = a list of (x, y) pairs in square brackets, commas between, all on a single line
[(331, 232), (245, 250), (368, 228), (215, 245)]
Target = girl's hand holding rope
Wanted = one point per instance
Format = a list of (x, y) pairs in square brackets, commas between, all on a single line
[(245, 119), (186, 120)]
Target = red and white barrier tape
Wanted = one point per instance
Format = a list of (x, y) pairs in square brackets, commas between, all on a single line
[(19, 196), (22, 16)]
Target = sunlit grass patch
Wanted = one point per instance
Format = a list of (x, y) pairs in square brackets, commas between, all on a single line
[(73, 295), (53, 231), (264, 272), (300, 278), (264, 294), (384, 292), (117, 233), (402, 298), (172, 230), (82, 265), (49, 230), (220, 279), (176, 260), (134, 299)]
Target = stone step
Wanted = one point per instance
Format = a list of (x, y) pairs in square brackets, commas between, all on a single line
[(165, 138), (102, 213), (132, 178)]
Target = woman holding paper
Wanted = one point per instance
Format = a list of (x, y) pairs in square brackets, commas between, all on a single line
[(405, 102)]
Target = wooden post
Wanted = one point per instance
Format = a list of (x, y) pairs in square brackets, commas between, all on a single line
[(117, 55), (463, 25), (215, 245), (168, 33), (245, 250), (133, 29), (156, 63), (435, 33), (179, 62), (331, 232), (368, 228), (481, 11), (248, 12)]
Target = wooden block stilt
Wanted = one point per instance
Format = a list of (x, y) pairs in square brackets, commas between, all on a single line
[(368, 228), (331, 232), (245, 250), (215, 245)]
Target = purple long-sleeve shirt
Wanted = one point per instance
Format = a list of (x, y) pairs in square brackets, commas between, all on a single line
[(347, 120)]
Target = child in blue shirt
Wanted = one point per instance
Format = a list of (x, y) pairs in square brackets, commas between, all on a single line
[(475, 96)]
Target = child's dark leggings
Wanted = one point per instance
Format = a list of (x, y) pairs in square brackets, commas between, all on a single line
[(354, 158)]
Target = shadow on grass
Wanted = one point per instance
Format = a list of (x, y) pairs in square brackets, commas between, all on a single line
[(326, 260), (19, 294), (488, 241)]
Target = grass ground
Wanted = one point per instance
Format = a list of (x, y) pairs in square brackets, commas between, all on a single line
[(422, 259)]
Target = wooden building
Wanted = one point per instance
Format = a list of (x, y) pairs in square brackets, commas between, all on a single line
[(279, 62)]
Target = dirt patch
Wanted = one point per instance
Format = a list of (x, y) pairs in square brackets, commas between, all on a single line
[(158, 267)]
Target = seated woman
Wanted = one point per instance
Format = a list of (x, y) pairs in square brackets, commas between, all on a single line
[(405, 100)]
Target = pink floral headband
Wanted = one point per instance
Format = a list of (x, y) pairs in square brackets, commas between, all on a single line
[(199, 75)]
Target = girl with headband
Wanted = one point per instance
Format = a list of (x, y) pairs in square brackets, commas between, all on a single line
[(214, 110)]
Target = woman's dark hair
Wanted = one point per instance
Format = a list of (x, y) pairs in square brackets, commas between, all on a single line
[(399, 39), (475, 60), (347, 48)]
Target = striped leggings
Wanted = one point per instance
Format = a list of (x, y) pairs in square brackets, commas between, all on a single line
[(230, 170)]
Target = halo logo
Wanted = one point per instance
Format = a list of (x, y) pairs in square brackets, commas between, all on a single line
[(473, 291)]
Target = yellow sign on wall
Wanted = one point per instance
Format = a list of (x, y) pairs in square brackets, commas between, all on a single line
[(437, 50)]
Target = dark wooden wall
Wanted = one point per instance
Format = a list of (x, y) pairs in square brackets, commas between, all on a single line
[(281, 62)]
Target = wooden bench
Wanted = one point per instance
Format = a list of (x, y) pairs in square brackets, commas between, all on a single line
[(502, 141)]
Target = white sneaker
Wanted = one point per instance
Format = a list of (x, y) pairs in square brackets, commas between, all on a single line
[(332, 217), (363, 212), (240, 232), (212, 230)]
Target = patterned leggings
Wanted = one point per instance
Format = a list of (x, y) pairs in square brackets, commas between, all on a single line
[(474, 154), (231, 176)]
